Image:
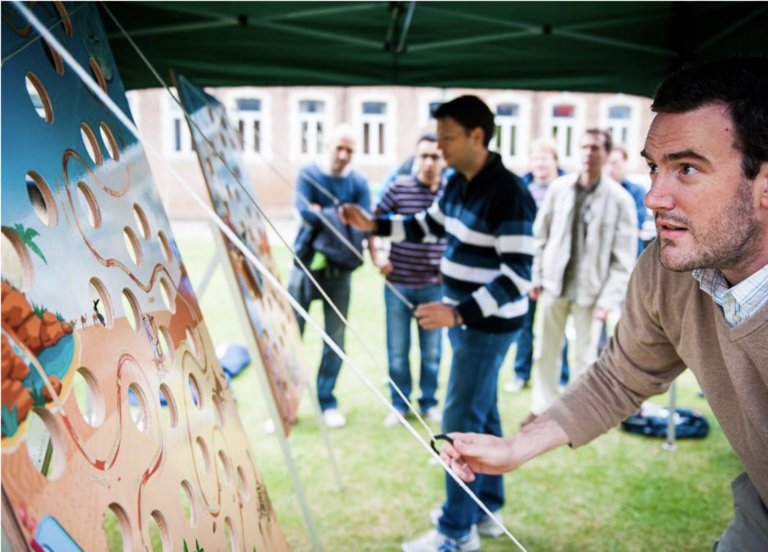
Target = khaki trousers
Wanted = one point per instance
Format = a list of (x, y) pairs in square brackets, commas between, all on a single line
[(553, 315)]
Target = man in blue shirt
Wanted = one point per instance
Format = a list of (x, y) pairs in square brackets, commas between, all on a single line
[(486, 216), (316, 189), (616, 168)]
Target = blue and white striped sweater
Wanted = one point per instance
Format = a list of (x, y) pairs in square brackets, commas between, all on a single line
[(488, 226)]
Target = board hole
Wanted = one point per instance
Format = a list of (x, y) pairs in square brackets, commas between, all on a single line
[(89, 204), (91, 144), (137, 402), (16, 262), (109, 140), (168, 405), (89, 397), (101, 303), (41, 101), (132, 309), (132, 245)]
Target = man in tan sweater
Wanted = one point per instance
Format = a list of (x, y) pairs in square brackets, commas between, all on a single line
[(698, 297)]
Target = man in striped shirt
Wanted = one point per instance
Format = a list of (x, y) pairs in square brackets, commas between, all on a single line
[(486, 216), (414, 270)]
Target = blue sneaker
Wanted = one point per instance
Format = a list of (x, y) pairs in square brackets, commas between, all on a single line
[(435, 541)]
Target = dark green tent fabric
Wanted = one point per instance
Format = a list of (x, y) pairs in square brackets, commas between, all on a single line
[(580, 46)]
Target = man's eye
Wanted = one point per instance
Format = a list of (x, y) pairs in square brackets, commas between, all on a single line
[(688, 170), (652, 169)]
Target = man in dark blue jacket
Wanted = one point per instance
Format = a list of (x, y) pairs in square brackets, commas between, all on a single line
[(486, 215), (317, 188)]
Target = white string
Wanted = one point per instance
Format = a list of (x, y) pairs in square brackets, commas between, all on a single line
[(298, 261), (96, 89)]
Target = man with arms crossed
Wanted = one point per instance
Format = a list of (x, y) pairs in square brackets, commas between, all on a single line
[(414, 270), (698, 297)]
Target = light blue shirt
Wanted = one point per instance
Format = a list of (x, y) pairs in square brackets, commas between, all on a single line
[(740, 301)]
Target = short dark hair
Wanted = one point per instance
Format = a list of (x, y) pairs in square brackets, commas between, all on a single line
[(740, 84), (470, 112), (622, 150), (607, 138), (428, 137)]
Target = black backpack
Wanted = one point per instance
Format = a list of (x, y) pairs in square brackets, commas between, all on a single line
[(652, 421)]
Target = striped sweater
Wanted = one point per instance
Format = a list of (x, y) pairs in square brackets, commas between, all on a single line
[(488, 226)]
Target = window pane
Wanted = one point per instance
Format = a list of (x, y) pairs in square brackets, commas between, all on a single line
[(366, 138), (319, 137), (248, 104), (177, 134), (304, 138), (498, 138), (241, 133), (512, 139), (563, 111), (507, 110), (257, 136), (311, 106), (619, 112), (624, 135), (381, 138), (568, 141), (374, 108), (433, 106)]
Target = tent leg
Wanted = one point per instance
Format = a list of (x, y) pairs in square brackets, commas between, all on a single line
[(266, 389), (671, 445), (324, 433), (208, 275)]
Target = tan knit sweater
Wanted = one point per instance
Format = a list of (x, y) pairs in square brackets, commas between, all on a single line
[(669, 324)]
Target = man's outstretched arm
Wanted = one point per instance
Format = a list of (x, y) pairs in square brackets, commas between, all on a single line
[(473, 453)]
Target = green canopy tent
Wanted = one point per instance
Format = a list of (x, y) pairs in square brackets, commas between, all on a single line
[(580, 46)]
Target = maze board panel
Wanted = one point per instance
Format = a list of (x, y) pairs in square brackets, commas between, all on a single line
[(271, 317), (118, 429)]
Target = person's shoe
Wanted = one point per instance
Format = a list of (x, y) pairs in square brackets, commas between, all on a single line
[(486, 527), (333, 418), (528, 419), (437, 542), (392, 420), (434, 415), (516, 386)]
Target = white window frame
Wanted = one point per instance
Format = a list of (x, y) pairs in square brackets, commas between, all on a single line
[(427, 98), (328, 118), (632, 124), (264, 117), (522, 122), (578, 126), (170, 113), (388, 119)]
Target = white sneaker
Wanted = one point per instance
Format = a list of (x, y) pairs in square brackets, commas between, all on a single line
[(333, 418), (485, 525), (515, 386), (392, 419), (437, 542), (488, 528), (434, 415)]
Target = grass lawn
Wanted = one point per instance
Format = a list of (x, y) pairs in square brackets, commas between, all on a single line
[(620, 493)]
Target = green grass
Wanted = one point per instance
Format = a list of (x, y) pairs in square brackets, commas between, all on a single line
[(620, 493)]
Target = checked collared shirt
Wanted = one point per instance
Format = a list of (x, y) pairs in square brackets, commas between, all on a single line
[(740, 301)]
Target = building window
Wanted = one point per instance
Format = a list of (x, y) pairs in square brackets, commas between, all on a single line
[(433, 106), (312, 127), (506, 141), (373, 129), (563, 129), (620, 123), (248, 115), (179, 138)]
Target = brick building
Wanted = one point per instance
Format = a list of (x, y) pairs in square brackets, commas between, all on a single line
[(283, 128)]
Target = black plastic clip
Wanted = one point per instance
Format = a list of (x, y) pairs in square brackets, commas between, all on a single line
[(441, 437)]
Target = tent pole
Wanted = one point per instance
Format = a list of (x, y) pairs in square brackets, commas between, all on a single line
[(406, 26)]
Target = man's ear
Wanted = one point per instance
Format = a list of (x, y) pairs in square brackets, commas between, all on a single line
[(477, 137), (761, 185)]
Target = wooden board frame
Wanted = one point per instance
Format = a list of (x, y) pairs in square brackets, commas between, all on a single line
[(100, 327)]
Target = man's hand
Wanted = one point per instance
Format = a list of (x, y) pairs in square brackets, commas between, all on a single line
[(315, 207), (534, 293), (437, 315), (473, 453), (385, 267), (354, 215), (601, 313)]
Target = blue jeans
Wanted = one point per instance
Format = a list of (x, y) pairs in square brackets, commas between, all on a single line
[(524, 354), (470, 405), (336, 283), (399, 346)]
